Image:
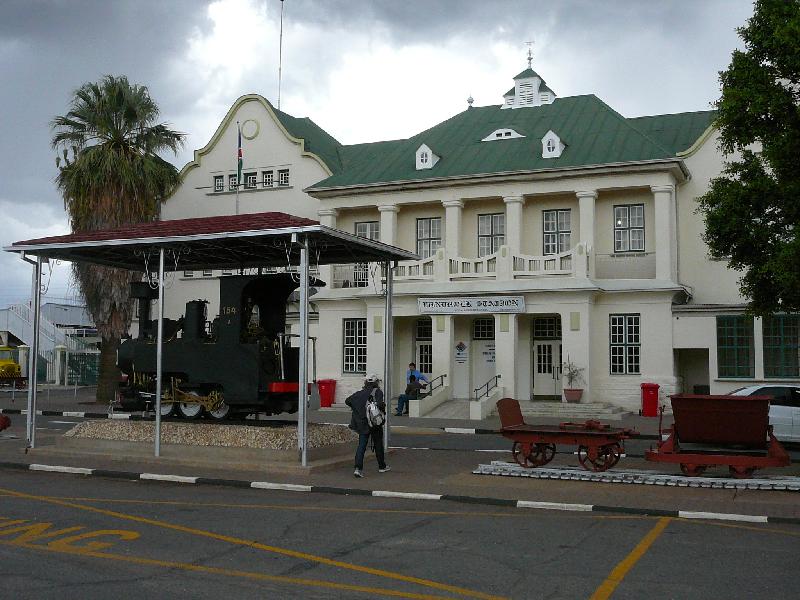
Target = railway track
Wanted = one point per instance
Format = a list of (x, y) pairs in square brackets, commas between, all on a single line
[(639, 477)]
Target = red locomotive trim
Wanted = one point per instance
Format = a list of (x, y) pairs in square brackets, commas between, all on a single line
[(283, 387)]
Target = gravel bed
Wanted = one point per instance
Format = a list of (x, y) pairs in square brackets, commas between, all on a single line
[(202, 434)]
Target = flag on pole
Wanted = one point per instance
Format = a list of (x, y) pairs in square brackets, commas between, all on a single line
[(240, 158)]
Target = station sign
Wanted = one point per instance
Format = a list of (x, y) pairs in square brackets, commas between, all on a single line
[(471, 305)]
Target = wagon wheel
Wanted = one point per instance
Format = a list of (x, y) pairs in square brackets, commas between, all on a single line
[(740, 472), (541, 454), (612, 452), (522, 454), (691, 470), (604, 460)]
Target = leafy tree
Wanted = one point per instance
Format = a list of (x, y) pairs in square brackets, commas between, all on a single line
[(114, 177), (752, 211)]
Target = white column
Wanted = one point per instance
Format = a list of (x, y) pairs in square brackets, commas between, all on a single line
[(452, 227), (506, 337), (389, 223), (576, 343), (23, 359), (327, 216), (666, 244), (443, 342), (586, 210), (514, 205), (758, 348)]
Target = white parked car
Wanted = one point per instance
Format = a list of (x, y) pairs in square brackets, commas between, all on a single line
[(784, 408)]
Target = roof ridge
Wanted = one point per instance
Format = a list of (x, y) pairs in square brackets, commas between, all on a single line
[(656, 143), (685, 112)]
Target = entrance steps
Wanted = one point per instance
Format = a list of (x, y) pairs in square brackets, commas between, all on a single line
[(566, 411), (601, 411)]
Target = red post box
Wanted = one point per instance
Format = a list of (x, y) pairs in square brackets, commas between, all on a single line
[(649, 399), (327, 392)]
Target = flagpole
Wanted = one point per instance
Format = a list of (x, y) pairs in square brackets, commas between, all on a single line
[(280, 58)]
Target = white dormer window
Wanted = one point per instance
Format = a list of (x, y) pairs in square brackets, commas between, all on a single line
[(502, 134), (426, 159), (552, 146)]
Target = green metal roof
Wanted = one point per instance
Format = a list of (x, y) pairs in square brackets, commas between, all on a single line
[(528, 73), (594, 134), (315, 139), (676, 132)]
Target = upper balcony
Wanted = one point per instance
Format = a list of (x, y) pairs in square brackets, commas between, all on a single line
[(503, 265)]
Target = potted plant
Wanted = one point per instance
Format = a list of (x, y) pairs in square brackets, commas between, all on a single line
[(574, 376)]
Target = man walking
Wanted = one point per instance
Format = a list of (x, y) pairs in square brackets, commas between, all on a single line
[(358, 423)]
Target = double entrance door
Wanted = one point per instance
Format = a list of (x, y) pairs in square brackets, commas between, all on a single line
[(547, 370)]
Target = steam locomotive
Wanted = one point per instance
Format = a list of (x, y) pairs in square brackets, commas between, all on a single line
[(241, 362)]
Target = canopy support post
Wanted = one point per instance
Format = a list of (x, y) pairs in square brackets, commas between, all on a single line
[(388, 347), (159, 342), (33, 358), (302, 393)]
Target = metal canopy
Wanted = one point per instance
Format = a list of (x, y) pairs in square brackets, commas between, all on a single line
[(270, 239), (224, 242)]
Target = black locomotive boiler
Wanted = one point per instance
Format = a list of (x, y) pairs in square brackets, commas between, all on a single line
[(241, 362)]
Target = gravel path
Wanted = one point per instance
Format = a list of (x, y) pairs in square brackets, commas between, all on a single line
[(202, 434)]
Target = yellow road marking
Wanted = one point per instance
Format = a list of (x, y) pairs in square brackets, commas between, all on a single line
[(615, 578), (241, 542), (228, 572)]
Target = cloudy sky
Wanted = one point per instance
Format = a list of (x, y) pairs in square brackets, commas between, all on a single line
[(365, 70)]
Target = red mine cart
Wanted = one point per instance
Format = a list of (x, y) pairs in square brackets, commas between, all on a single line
[(720, 430), (599, 446)]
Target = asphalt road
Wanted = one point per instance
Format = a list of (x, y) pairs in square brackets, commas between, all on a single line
[(74, 537)]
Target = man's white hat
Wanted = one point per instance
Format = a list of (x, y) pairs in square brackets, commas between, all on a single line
[(372, 378)]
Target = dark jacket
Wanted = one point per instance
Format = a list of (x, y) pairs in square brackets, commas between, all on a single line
[(412, 390), (358, 404)]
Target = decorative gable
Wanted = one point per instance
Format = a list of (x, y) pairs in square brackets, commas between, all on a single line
[(425, 158), (552, 146), (502, 134)]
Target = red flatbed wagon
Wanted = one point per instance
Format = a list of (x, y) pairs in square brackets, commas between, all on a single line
[(599, 445), (720, 430)]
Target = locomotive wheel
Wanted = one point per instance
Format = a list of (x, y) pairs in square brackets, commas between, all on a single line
[(167, 409), (691, 470), (604, 460), (542, 454), (190, 410), (221, 413)]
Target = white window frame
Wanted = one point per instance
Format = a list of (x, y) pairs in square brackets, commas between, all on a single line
[(283, 177), (250, 180), (483, 328), (629, 233), (219, 183), (556, 230), (354, 345), (370, 230), (490, 240), (268, 178), (233, 182), (427, 242), (625, 344)]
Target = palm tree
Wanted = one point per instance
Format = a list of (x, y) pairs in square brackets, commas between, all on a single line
[(114, 177)]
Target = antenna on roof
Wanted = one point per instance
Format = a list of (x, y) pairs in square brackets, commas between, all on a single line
[(280, 58), (530, 52)]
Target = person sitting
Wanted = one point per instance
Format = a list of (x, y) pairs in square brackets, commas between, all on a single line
[(412, 370), (412, 393)]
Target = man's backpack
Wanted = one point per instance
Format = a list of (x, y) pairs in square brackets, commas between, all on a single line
[(375, 417)]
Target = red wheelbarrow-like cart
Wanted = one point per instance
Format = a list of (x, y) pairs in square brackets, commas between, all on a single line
[(599, 446), (720, 430)]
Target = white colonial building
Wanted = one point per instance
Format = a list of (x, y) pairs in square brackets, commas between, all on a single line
[(548, 229)]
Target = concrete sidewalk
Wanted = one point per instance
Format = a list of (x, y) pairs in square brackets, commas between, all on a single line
[(69, 399)]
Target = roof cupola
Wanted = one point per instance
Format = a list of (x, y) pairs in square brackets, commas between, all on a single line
[(529, 89)]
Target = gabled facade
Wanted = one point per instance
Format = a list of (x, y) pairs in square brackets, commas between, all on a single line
[(574, 238)]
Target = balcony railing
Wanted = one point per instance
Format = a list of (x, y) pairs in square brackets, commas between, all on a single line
[(503, 265), (524, 265)]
